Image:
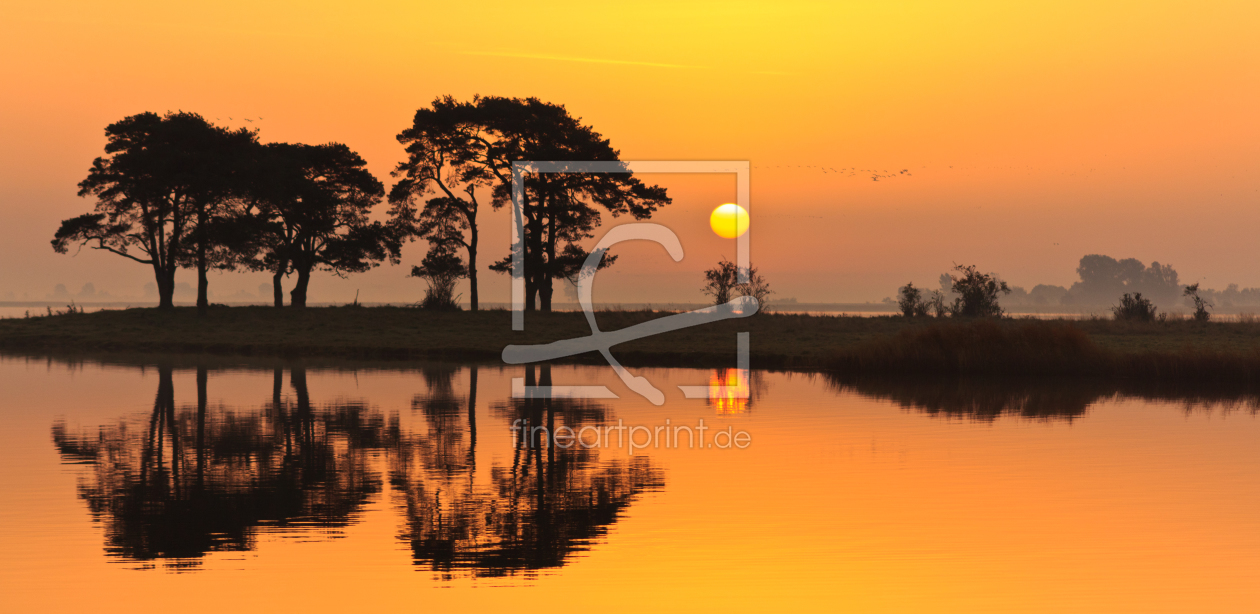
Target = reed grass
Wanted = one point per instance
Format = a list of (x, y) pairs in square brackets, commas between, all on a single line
[(1046, 348)]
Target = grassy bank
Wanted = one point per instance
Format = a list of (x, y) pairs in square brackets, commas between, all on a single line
[(781, 341), (1175, 349), (1222, 353)]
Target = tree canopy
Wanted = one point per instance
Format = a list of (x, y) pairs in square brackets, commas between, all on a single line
[(176, 191), (311, 211), (455, 148), (160, 177)]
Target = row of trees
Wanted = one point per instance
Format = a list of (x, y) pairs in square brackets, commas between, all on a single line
[(455, 149), (187, 480), (176, 191)]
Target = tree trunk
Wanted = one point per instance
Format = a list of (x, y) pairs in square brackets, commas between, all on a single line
[(297, 377), (277, 404), (472, 265), (277, 387), (545, 380), (544, 293), (533, 262), (472, 408), (297, 298), (202, 376), (163, 405), (305, 430), (531, 293), (165, 287), (277, 286), (203, 284), (545, 287)]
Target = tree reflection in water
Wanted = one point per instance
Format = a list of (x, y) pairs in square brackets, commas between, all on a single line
[(549, 503), (192, 480), (1036, 398), (201, 479)]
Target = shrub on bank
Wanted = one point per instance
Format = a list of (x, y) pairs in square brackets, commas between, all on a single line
[(1134, 308)]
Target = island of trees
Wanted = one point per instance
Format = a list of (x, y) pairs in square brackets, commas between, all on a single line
[(177, 191)]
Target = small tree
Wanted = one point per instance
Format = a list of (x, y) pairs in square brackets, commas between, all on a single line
[(937, 304), (722, 283), (442, 269), (1201, 305), (1134, 308), (910, 300), (978, 292), (445, 147), (756, 287)]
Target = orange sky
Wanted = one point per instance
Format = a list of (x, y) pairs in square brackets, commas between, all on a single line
[(1034, 133)]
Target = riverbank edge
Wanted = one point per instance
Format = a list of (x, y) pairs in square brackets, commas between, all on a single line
[(844, 345)]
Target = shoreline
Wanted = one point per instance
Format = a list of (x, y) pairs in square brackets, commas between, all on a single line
[(848, 345)]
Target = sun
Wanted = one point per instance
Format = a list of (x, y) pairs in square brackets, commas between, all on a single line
[(729, 221)]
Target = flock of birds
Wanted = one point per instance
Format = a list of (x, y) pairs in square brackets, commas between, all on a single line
[(851, 171), (219, 119)]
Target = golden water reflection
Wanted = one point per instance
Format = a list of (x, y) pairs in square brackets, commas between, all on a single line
[(728, 391), (199, 478), (350, 488)]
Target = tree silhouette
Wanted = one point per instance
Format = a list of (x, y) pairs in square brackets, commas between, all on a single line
[(978, 293), (560, 209), (443, 153), (1201, 305), (441, 268), (722, 283), (310, 211), (189, 480), (158, 188), (1103, 278), (202, 479), (548, 503)]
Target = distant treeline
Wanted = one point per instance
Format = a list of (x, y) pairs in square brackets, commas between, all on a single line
[(1103, 280)]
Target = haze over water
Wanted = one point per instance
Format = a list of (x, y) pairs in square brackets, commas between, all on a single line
[(358, 487)]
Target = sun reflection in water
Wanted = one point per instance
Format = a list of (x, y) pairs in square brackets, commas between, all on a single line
[(728, 391)]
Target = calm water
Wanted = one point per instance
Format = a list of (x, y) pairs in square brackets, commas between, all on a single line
[(273, 487)]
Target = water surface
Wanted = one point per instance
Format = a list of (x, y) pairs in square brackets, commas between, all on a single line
[(215, 485)]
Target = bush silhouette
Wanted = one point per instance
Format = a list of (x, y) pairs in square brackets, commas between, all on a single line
[(442, 268), (911, 302), (978, 293), (1201, 305), (1134, 308)]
